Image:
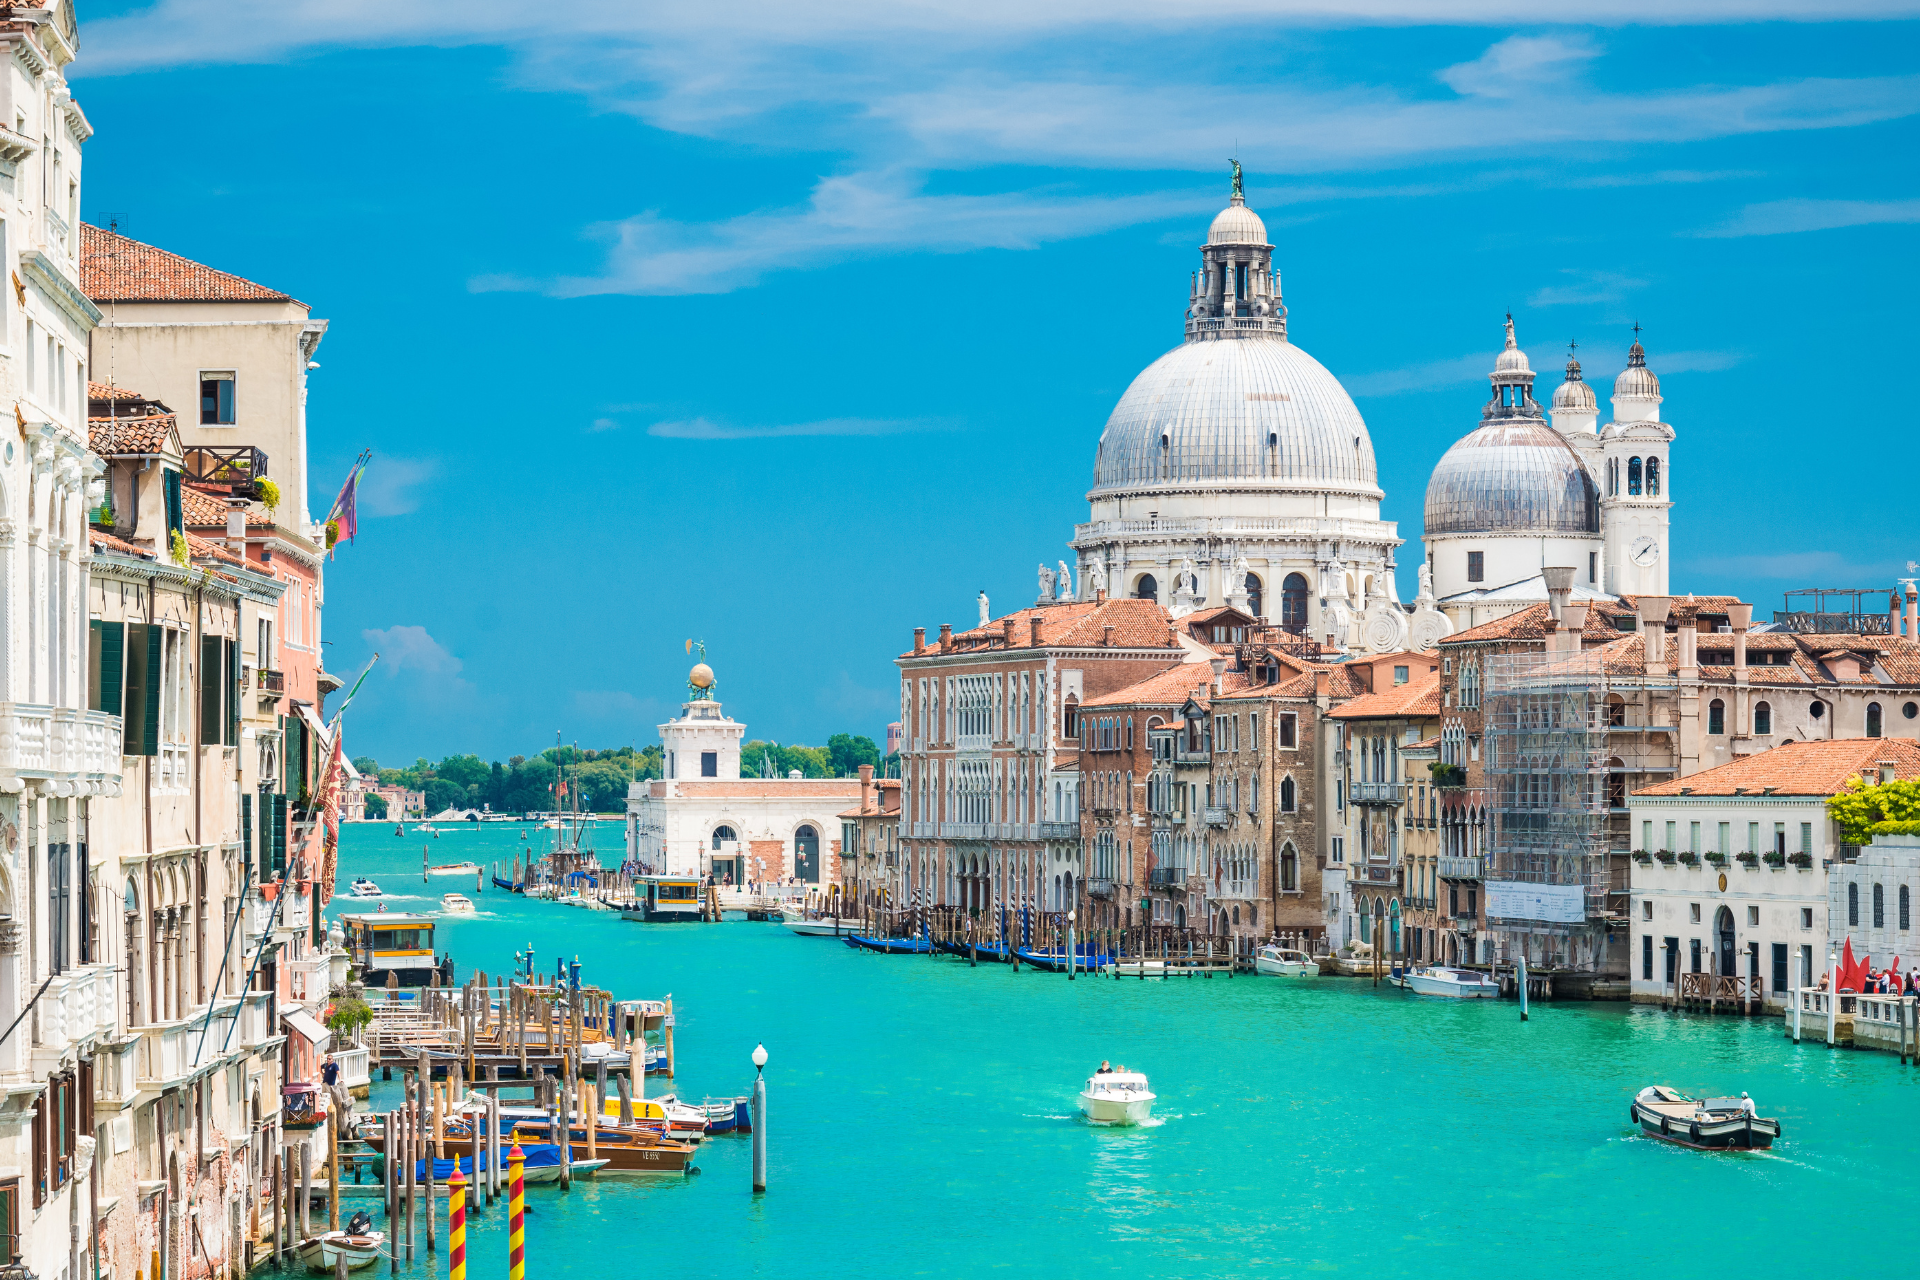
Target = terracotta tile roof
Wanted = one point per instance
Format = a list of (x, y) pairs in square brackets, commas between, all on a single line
[(1137, 624), (155, 433), (1800, 769), (1169, 688), (114, 268), (1414, 698), (199, 548), (1530, 623), (1425, 744), (107, 542), (204, 510), (101, 391)]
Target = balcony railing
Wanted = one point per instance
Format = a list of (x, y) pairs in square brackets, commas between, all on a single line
[(1100, 887), (165, 1055), (1217, 815), (238, 469), (1059, 831), (1377, 793), (1474, 868), (1168, 877), (39, 741), (78, 1003), (308, 978), (269, 683), (1183, 756), (354, 1067)]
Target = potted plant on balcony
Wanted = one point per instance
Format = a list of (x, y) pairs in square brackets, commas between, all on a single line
[(1665, 856), (1748, 859), (1800, 859), (1775, 859), (1642, 857), (1717, 858), (1690, 858)]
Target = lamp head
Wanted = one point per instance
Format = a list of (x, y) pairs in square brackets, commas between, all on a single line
[(759, 1056)]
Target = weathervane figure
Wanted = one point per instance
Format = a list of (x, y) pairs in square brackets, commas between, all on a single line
[(1238, 194)]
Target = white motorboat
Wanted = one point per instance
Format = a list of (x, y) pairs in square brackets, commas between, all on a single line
[(1284, 962), (455, 869), (1116, 1097), (364, 888), (322, 1251), (1461, 984), (825, 927), (456, 904), (1137, 968)]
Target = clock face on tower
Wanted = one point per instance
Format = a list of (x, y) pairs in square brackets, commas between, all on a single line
[(1644, 552)]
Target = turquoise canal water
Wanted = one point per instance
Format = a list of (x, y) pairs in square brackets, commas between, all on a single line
[(922, 1119)]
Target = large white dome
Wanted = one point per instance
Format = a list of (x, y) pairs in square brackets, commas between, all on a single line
[(1514, 475), (1248, 413)]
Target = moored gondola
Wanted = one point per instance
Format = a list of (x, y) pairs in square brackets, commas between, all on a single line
[(892, 946)]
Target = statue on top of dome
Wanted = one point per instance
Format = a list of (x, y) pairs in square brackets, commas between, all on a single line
[(1238, 194)]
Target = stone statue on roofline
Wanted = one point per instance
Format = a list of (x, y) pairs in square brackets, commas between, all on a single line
[(1064, 586), (1046, 583), (1094, 577)]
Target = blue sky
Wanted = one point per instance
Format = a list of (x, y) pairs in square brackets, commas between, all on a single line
[(793, 327)]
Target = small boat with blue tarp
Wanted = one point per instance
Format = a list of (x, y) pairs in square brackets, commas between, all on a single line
[(542, 1165), (892, 946), (1084, 959)]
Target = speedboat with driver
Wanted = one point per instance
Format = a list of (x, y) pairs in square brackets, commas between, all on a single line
[(1461, 984), (364, 888), (1116, 1097)]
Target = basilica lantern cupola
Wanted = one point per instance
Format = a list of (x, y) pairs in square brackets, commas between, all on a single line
[(1236, 291), (1575, 408)]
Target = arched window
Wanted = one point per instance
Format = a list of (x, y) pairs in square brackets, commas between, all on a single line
[(1286, 795), (1633, 475), (1873, 719), (1293, 604), (1816, 709), (1146, 588), (806, 854), (723, 833), (1716, 716), (1254, 598), (1653, 477), (1853, 904), (1905, 918), (1290, 870), (1879, 907), (1762, 717)]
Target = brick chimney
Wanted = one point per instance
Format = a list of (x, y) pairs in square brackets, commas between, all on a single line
[(1006, 630), (1106, 635), (946, 637), (1100, 597), (1033, 631), (866, 785), (919, 639)]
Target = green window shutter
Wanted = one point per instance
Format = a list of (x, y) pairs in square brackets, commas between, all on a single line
[(294, 740), (112, 637), (175, 522), (209, 673), (279, 834), (150, 726), (246, 829), (232, 685)]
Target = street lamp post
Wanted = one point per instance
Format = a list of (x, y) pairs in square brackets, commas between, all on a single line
[(1070, 918), (759, 1119)]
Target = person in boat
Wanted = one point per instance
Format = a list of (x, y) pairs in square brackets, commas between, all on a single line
[(1106, 1068), (1746, 1103)]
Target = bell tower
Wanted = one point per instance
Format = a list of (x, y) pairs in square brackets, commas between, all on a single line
[(1636, 484)]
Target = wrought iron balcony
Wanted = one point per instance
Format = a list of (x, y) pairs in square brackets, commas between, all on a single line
[(1100, 887), (1168, 878), (270, 683), (1377, 793), (238, 469), (1217, 815)]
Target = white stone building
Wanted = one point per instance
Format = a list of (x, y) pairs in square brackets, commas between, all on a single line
[(704, 819), (1730, 873), (1872, 895)]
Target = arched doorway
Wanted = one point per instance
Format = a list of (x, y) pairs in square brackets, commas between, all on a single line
[(1723, 941), (1393, 928), (1146, 588), (806, 854), (1293, 604)]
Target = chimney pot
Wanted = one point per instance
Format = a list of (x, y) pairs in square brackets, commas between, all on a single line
[(1006, 630), (946, 637), (1559, 580), (1106, 635), (1740, 616), (919, 639), (1100, 596), (1033, 631)]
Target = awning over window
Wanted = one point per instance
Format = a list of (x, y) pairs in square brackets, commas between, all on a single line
[(308, 1026), (316, 724)]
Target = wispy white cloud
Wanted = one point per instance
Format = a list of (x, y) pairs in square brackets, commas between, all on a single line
[(604, 424), (1584, 286), (1431, 376), (705, 429), (410, 649), (1783, 217), (1519, 65), (850, 216), (392, 484), (1661, 178)]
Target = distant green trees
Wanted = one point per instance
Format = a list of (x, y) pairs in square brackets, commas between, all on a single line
[(524, 783)]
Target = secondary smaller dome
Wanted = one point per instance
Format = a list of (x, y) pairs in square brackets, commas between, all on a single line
[(1575, 395), (1636, 381), (1513, 359), (1237, 224), (701, 677)]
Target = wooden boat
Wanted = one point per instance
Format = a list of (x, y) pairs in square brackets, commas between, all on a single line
[(1707, 1124), (323, 1251), (624, 1149), (891, 946)]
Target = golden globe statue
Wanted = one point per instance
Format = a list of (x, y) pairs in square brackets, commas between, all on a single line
[(701, 677)]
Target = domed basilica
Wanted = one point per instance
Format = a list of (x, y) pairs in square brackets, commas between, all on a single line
[(1237, 471)]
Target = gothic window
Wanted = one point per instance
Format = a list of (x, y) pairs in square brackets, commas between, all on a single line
[(1873, 719), (1286, 795), (1253, 594), (1716, 716), (1146, 588), (1653, 477), (1762, 717), (1633, 476), (1293, 603)]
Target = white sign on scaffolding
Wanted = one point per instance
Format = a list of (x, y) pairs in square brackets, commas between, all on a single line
[(1552, 903)]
